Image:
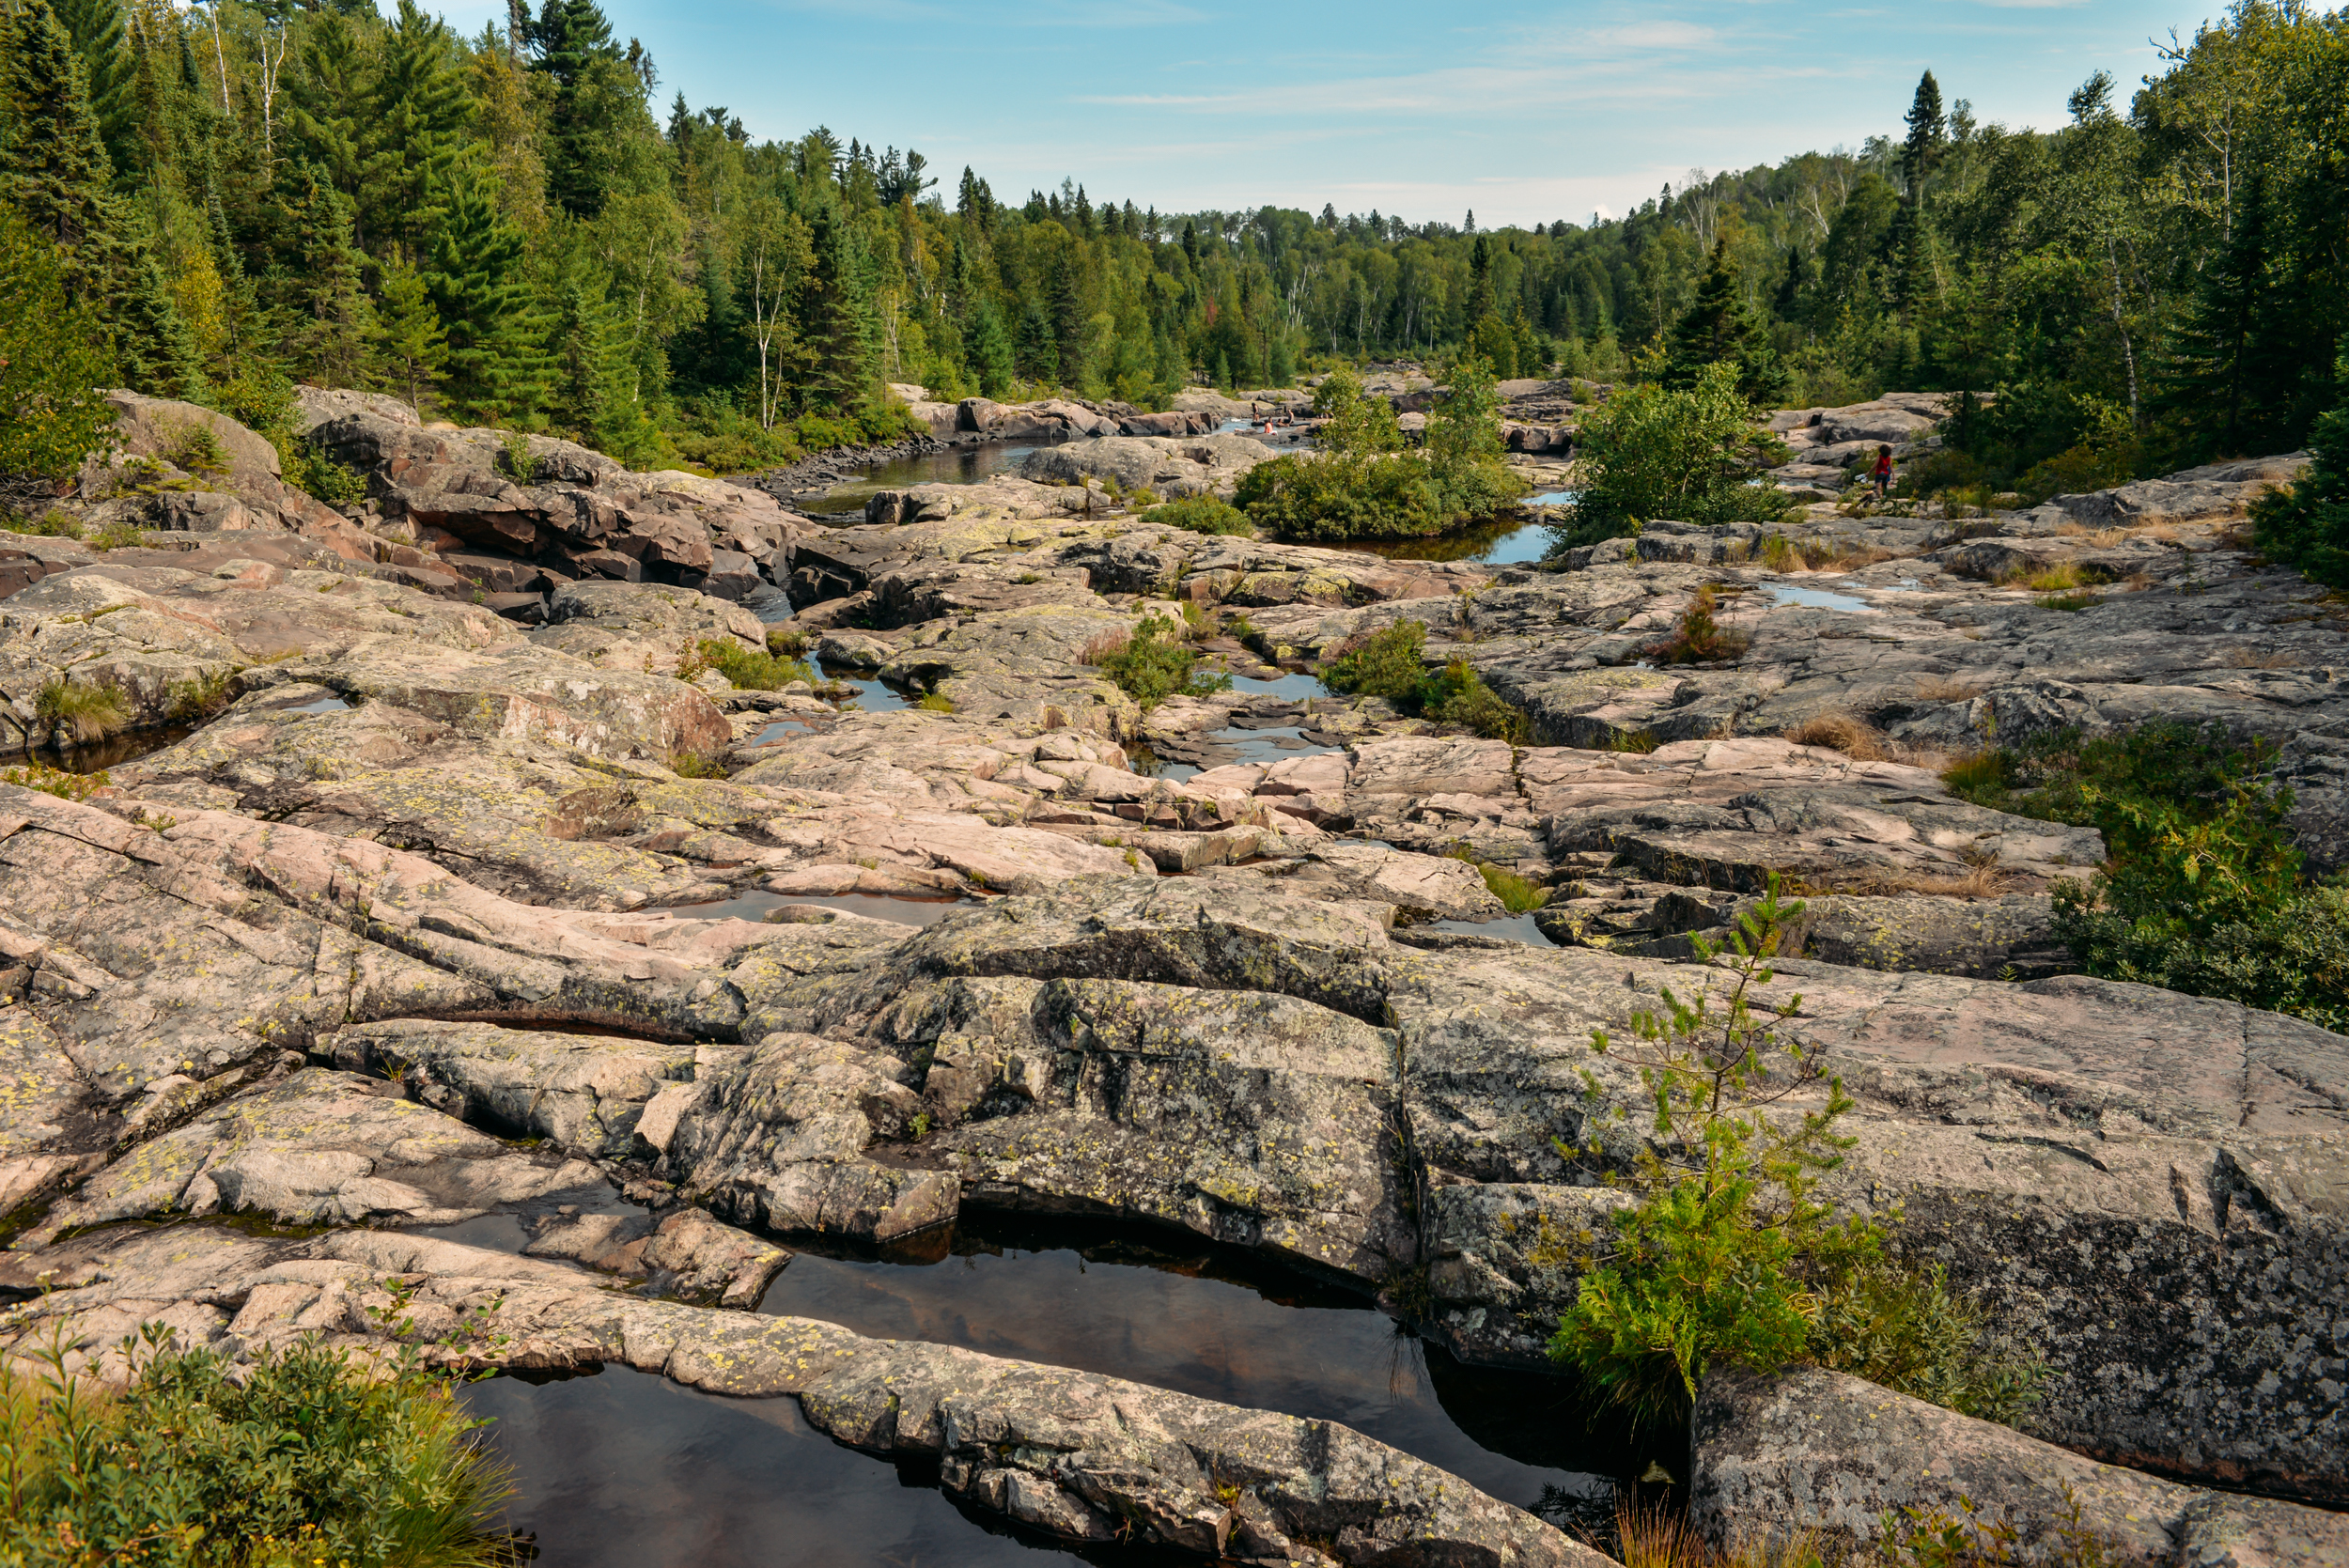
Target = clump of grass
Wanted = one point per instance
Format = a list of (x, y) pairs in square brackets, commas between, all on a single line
[(1634, 742), (197, 697), (1841, 732), (55, 780), (86, 713), (1650, 1535), (304, 1458), (1699, 638), (2069, 602), (1940, 688), (1517, 895), (936, 702), (748, 670), (1152, 662), (787, 642), (692, 764), (1201, 514), (118, 534)]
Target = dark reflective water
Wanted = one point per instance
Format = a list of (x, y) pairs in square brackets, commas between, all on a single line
[(967, 465), (1178, 1313), (1505, 541), (99, 755), (625, 1469), (873, 694), (756, 903)]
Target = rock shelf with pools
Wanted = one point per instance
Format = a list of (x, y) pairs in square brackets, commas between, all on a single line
[(491, 986)]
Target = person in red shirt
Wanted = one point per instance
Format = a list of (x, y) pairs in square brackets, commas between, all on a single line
[(1884, 473)]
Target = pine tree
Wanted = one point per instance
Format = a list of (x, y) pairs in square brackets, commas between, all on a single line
[(409, 347), (1920, 154), (1069, 321), (330, 91), (492, 370), (418, 116), (1480, 295), (55, 169), (2307, 525)]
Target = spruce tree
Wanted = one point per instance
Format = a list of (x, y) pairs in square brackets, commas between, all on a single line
[(1928, 129), (1721, 327), (493, 368), (327, 339), (330, 91), (570, 39), (991, 358), (55, 169), (839, 327), (97, 29), (2212, 383), (2307, 525)]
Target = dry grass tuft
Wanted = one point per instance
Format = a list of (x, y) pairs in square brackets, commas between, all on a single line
[(2244, 659), (1975, 881), (1652, 1536), (1842, 732), (1943, 688), (1108, 645)]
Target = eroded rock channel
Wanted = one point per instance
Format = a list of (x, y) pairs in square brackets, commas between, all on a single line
[(526, 1003)]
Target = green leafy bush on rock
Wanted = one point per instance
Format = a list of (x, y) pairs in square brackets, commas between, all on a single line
[(1389, 663), (1152, 663)]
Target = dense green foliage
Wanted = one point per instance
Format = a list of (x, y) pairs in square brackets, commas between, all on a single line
[(1685, 452), (2307, 526), (1201, 514), (1390, 663), (503, 227), (753, 670), (2202, 890), (1362, 485), (51, 360), (1154, 663), (309, 1459), (1727, 1255)]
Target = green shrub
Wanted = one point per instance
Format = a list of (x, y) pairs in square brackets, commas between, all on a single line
[(1332, 496), (2202, 890), (748, 670), (2307, 525), (55, 780), (1152, 663), (85, 712), (1727, 1256), (55, 523), (1390, 663), (692, 764), (1201, 514), (787, 642), (194, 446), (301, 1458), (1464, 447), (1651, 452), (1699, 638), (55, 360), (1517, 895), (118, 534)]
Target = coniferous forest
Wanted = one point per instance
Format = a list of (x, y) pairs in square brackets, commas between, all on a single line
[(516, 228)]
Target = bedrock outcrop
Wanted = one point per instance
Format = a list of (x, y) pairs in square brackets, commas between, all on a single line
[(395, 907)]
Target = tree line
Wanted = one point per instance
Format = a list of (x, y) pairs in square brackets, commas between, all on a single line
[(507, 229)]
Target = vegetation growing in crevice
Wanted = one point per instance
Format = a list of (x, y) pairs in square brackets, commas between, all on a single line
[(1699, 638), (302, 1458), (746, 668), (64, 785), (83, 711), (1201, 514), (1517, 895), (1727, 1255), (2203, 890), (1389, 663), (1153, 663)]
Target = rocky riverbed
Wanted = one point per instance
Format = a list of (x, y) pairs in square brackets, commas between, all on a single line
[(420, 905)]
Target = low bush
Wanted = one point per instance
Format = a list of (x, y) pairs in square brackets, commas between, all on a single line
[(2203, 890), (748, 670), (1652, 452), (117, 535), (301, 1458), (83, 713), (692, 764), (55, 523), (1727, 1256), (1699, 638), (1201, 514), (1336, 497), (787, 642), (1152, 663), (1390, 663)]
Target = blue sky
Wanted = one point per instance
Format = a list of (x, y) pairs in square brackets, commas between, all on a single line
[(1524, 113)]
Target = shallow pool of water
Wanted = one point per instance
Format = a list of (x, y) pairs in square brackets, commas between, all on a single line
[(1816, 598), (96, 758), (1178, 1313), (781, 729), (873, 694), (622, 1468), (1293, 687), (756, 904), (1509, 542), (1512, 928)]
